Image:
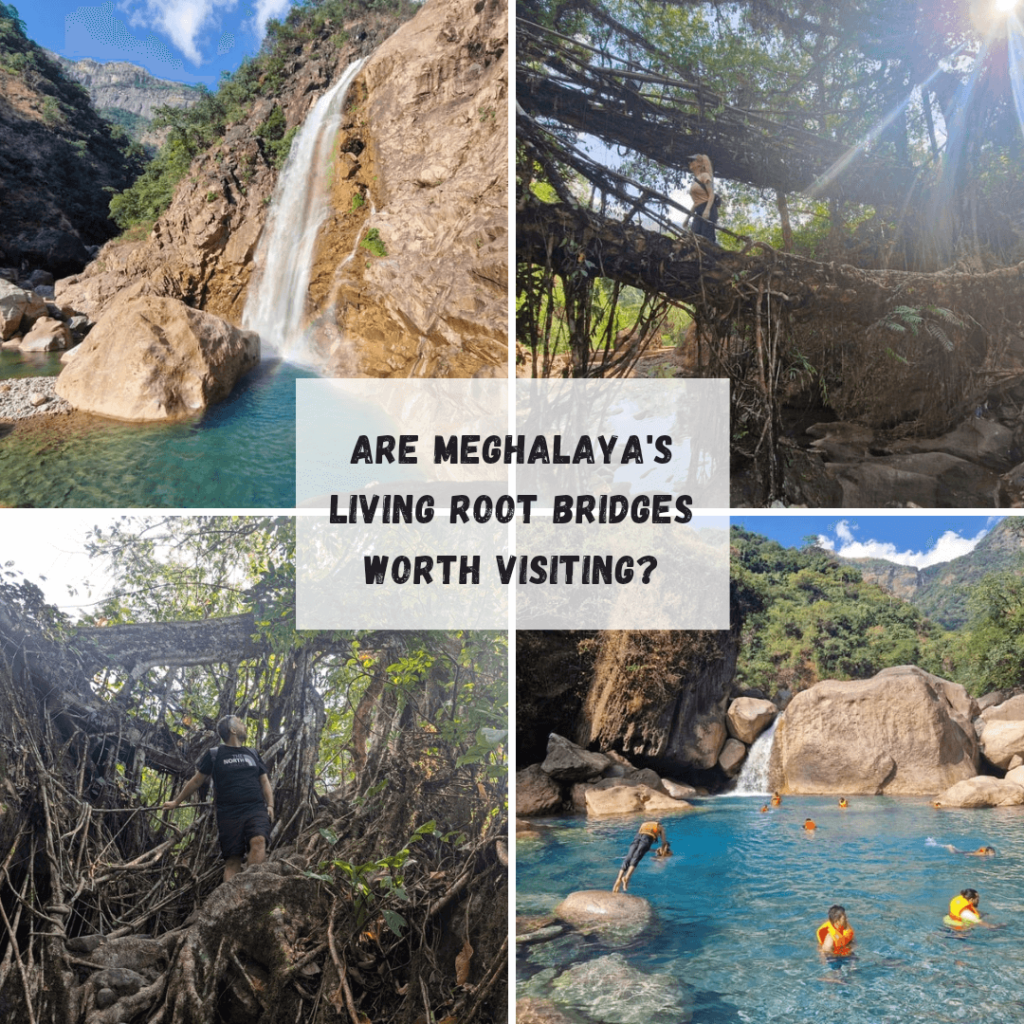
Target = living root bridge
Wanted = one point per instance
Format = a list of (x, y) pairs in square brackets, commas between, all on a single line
[(692, 271)]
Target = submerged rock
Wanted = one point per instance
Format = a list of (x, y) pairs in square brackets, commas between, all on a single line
[(152, 358), (611, 990)]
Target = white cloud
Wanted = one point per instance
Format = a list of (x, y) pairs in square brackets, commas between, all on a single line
[(950, 545), (264, 11), (182, 21)]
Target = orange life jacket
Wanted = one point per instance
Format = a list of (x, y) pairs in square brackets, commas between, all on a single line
[(650, 828), (776, 800), (842, 803), (841, 940), (958, 904), (809, 825)]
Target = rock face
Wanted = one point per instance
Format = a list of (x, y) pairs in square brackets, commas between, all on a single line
[(897, 733), (982, 791), (118, 87), (19, 309), (156, 359), (437, 113), (671, 713), (630, 800)]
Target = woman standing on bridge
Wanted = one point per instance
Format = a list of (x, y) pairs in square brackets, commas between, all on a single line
[(702, 195)]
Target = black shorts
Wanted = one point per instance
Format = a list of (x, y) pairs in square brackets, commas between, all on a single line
[(236, 830), (636, 850)]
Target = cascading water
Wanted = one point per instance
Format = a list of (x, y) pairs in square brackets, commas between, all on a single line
[(276, 303), (753, 777)]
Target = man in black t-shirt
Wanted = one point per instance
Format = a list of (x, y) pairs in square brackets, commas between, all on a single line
[(245, 801)]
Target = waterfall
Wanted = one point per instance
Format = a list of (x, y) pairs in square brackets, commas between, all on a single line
[(276, 303), (753, 777)]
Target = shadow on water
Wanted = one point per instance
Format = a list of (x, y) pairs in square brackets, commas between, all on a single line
[(240, 454)]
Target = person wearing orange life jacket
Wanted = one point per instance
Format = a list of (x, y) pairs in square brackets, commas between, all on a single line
[(835, 935), (963, 911), (648, 834), (776, 799), (842, 803)]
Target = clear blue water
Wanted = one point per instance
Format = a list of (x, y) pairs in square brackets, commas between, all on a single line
[(240, 454), (738, 905)]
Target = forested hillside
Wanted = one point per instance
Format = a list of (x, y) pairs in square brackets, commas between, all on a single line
[(385, 885), (808, 615)]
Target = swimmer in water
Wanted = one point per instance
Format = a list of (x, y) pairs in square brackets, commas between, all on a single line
[(664, 850), (981, 851), (776, 800), (835, 935), (843, 803), (809, 825), (764, 809)]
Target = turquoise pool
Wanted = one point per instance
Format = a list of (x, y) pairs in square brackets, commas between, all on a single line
[(240, 454), (738, 905)]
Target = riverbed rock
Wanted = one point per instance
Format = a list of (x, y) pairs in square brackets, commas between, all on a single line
[(1001, 740), (588, 908), (47, 335), (678, 790), (982, 791), (747, 718), (897, 733), (19, 309), (532, 1010), (733, 754), (151, 358), (630, 800), (567, 762), (536, 793), (612, 990)]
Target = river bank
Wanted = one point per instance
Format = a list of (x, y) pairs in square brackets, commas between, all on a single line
[(23, 398)]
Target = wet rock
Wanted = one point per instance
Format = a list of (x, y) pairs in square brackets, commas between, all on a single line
[(982, 791), (566, 762), (156, 359), (539, 935), (747, 718), (896, 733), (733, 754), (590, 908), (611, 990), (536, 793), (624, 799)]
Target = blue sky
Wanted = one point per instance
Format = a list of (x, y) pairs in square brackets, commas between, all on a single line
[(183, 40), (918, 540)]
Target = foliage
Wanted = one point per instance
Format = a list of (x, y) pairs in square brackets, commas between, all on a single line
[(373, 243)]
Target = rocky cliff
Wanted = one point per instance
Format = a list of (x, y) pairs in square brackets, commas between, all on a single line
[(59, 160), (424, 137), (127, 94), (657, 697)]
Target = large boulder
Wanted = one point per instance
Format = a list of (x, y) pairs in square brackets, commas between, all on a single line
[(1002, 740), (19, 309), (982, 791), (630, 800), (47, 335), (637, 777), (732, 756), (896, 733), (153, 358), (566, 762), (747, 718), (1005, 711), (596, 907), (536, 793)]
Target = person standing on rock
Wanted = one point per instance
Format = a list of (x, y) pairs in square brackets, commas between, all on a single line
[(649, 833), (245, 801)]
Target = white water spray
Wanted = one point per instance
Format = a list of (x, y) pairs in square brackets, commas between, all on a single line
[(276, 303), (753, 777)]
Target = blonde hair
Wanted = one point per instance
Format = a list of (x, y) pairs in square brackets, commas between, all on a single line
[(705, 163)]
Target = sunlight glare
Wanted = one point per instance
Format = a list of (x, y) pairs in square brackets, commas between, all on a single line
[(1005, 6)]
